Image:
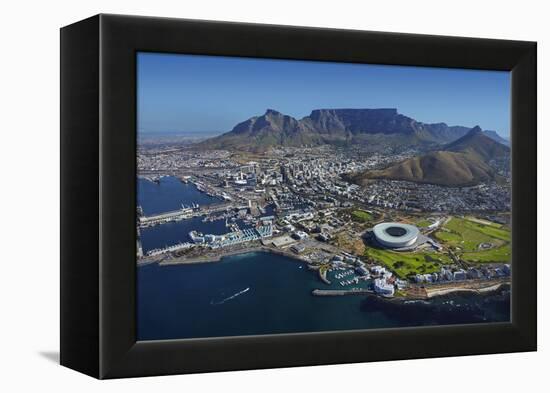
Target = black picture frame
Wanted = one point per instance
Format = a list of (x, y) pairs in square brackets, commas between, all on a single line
[(98, 183)]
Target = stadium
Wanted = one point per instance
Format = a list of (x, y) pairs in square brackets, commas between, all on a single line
[(396, 235)]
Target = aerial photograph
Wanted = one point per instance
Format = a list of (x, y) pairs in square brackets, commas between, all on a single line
[(284, 196)]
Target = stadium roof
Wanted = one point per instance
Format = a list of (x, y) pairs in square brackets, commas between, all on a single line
[(394, 234)]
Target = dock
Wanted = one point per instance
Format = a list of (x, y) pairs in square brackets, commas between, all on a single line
[(184, 213), (341, 292)]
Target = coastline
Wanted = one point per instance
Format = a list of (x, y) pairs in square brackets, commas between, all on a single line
[(429, 292), (218, 257), (445, 291)]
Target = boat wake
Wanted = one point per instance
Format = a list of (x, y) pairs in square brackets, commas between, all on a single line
[(212, 302)]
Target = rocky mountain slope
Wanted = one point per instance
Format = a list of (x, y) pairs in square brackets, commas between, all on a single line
[(334, 126), (466, 161)]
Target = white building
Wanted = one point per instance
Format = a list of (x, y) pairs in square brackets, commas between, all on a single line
[(377, 269), (383, 288)]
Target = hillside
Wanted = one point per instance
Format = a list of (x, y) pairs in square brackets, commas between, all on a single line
[(497, 138), (463, 162), (477, 143), (261, 132)]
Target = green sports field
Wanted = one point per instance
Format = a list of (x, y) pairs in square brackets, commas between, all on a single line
[(495, 255), (423, 223), (361, 215), (406, 263), (465, 236)]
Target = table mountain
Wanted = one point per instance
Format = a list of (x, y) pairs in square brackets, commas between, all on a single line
[(334, 126)]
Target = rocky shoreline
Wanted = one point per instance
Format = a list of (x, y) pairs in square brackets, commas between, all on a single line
[(446, 291)]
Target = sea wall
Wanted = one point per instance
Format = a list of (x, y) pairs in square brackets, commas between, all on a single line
[(222, 254)]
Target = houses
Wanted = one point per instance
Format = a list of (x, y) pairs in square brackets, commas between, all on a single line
[(420, 278), (474, 274), (499, 272), (446, 274), (460, 275)]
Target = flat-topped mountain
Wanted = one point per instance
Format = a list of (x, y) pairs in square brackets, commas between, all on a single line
[(356, 121), (464, 162), (334, 126)]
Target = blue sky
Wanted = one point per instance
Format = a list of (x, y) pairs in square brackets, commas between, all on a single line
[(188, 93)]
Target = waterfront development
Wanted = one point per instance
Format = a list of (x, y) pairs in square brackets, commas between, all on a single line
[(314, 259)]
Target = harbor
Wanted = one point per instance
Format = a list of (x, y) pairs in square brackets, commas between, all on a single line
[(279, 299), (234, 254)]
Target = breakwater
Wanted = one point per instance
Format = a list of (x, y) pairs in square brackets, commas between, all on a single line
[(341, 292)]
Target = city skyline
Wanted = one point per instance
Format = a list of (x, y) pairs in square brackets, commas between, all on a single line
[(210, 94)]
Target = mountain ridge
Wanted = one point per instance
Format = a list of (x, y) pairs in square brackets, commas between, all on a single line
[(340, 126), (496, 137)]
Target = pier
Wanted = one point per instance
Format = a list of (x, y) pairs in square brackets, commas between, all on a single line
[(184, 213), (173, 248), (341, 292)]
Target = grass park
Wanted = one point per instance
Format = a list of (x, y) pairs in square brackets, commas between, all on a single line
[(423, 223), (409, 263), (465, 235), (361, 215)]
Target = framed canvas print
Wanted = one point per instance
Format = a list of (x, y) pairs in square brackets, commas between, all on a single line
[(239, 196)]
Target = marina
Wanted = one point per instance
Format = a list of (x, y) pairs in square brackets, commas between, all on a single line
[(254, 262), (280, 301)]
